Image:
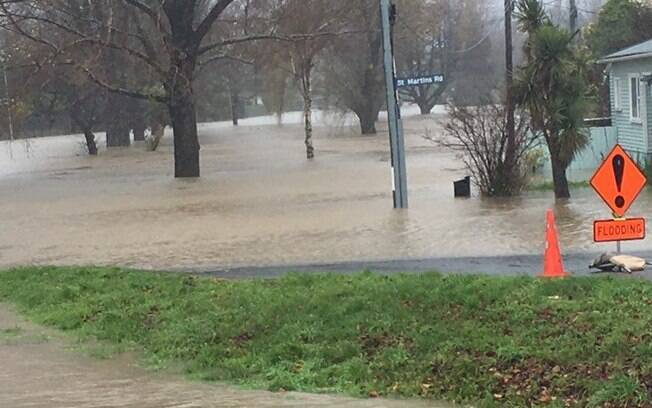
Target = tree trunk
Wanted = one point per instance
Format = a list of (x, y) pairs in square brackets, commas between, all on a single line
[(75, 118), (158, 131), (117, 135), (116, 66), (138, 118), (425, 108), (139, 132), (186, 143), (184, 125), (559, 178), (183, 116), (307, 116), (234, 106), (90, 142), (367, 127), (117, 132), (368, 117)]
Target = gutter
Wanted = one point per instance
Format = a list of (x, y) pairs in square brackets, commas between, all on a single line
[(607, 60)]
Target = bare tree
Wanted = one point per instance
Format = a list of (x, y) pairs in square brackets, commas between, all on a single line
[(55, 91), (444, 37), (480, 135), (353, 71), (314, 23), (423, 46), (169, 40)]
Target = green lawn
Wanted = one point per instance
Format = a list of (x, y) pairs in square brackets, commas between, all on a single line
[(508, 342)]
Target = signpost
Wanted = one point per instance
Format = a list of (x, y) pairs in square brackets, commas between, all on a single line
[(618, 181), (396, 139), (396, 145)]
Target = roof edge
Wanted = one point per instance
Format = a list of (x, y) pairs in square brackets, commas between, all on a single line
[(630, 57)]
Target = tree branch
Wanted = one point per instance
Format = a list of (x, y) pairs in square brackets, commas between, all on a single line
[(118, 90), (207, 23)]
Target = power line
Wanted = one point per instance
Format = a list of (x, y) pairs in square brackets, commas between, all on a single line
[(494, 23)]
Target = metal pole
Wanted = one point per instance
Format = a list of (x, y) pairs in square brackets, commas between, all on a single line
[(509, 97), (618, 248), (397, 144)]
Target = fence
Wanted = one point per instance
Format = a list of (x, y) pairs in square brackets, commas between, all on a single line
[(602, 140)]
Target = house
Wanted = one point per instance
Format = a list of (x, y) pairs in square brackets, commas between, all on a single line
[(630, 74)]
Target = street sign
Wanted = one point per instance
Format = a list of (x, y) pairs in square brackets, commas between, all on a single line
[(618, 181), (420, 80), (619, 230)]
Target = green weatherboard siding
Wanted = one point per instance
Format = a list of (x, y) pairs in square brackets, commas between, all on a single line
[(631, 134)]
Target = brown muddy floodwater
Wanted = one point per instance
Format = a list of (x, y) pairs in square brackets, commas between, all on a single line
[(259, 202)]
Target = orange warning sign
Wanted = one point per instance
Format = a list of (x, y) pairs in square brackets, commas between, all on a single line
[(619, 230), (618, 181)]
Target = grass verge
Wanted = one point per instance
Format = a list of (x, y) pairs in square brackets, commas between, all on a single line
[(508, 342)]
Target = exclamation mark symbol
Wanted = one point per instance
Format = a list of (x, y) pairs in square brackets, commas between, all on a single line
[(618, 163)]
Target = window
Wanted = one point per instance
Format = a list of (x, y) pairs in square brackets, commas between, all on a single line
[(616, 91), (635, 98)]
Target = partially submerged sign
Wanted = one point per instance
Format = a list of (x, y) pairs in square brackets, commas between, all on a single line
[(618, 181), (420, 80), (619, 230)]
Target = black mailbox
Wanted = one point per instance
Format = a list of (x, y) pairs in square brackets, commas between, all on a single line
[(463, 187)]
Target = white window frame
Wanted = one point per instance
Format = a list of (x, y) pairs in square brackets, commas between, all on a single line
[(632, 118), (618, 107)]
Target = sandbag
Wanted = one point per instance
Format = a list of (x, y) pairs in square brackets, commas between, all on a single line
[(611, 262)]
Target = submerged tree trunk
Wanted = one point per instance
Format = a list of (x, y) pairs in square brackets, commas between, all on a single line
[(424, 98), (117, 127), (139, 132), (367, 126), (158, 131), (306, 93), (85, 127), (90, 142), (117, 67), (138, 119), (184, 120), (235, 105), (559, 178), (117, 135), (307, 116), (425, 107), (368, 114), (368, 117), (186, 143)]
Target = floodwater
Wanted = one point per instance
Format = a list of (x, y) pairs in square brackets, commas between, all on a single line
[(260, 202)]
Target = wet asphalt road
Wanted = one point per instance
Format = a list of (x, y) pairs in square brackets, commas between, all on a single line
[(516, 265)]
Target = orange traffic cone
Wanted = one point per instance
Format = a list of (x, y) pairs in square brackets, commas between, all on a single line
[(553, 267)]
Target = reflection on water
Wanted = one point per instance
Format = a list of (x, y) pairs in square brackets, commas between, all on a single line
[(260, 202)]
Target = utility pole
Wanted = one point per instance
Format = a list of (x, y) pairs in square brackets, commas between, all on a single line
[(573, 16), (510, 153), (397, 144)]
